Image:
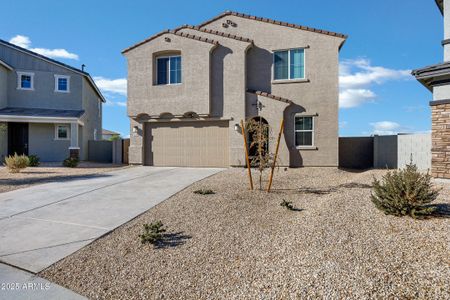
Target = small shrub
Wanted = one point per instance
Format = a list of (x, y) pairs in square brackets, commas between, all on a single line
[(15, 163), (204, 192), (71, 162), (153, 233), (33, 161), (404, 192), (287, 204)]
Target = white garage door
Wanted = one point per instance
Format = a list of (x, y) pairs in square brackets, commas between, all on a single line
[(187, 144)]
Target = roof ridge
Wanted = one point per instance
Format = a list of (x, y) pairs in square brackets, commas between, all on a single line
[(42, 56), (269, 95), (216, 32), (186, 35), (51, 60), (271, 21)]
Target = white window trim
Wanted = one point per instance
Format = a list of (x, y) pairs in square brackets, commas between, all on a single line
[(168, 70), (57, 86), (56, 132), (312, 146), (19, 81), (289, 79)]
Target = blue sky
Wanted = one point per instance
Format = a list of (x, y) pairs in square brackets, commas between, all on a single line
[(386, 39)]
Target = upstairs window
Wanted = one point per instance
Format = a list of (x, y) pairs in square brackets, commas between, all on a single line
[(304, 131), (289, 64), (62, 83), (25, 81), (168, 69)]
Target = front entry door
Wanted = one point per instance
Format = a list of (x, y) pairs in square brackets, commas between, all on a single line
[(18, 138)]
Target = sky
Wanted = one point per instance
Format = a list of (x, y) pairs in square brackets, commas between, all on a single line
[(387, 39)]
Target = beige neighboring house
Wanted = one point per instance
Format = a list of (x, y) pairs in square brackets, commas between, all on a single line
[(189, 88), (437, 79), (108, 134)]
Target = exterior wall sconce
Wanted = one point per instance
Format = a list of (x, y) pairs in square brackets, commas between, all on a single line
[(237, 127), (135, 129)]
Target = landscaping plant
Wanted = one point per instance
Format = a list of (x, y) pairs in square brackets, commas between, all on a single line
[(33, 161), (71, 162), (287, 204), (204, 192), (259, 132), (15, 163), (153, 233), (404, 192)]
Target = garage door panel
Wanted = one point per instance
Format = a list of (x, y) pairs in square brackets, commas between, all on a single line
[(199, 144)]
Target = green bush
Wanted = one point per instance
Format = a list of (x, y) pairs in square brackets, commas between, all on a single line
[(15, 162), (204, 192), (153, 233), (287, 204), (71, 162), (33, 161), (404, 192)]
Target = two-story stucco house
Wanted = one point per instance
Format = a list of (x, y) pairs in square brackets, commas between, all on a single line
[(47, 108), (188, 89), (437, 79)]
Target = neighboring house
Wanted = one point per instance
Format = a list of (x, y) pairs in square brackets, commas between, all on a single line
[(108, 134), (47, 108), (437, 79), (189, 88)]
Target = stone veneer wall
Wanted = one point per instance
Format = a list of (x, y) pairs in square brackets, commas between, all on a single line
[(440, 149)]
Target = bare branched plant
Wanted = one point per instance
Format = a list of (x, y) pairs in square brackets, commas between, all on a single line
[(259, 138)]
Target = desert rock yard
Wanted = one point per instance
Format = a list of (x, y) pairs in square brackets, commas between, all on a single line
[(49, 173), (239, 244)]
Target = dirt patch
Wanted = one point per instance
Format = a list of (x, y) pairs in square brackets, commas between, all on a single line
[(238, 244), (50, 173)]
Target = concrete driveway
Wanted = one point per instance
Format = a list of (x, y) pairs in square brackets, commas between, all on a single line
[(45, 223)]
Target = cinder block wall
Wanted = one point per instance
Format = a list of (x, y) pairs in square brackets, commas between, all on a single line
[(440, 135)]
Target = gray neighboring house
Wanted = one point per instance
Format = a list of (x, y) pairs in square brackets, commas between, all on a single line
[(436, 78), (188, 89), (47, 108)]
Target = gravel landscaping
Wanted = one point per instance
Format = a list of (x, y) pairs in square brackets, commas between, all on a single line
[(239, 244), (49, 172)]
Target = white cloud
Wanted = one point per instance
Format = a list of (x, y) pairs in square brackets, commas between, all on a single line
[(355, 97), (124, 104), (343, 124), (386, 128), (25, 42), (358, 75), (116, 86)]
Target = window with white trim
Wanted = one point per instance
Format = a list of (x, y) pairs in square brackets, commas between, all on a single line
[(62, 132), (304, 131), (62, 83), (168, 70), (25, 81), (289, 64)]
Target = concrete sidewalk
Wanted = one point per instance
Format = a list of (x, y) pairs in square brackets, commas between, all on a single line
[(45, 223)]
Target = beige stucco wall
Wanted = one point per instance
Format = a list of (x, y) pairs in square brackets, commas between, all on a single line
[(192, 95), (318, 95), (228, 83)]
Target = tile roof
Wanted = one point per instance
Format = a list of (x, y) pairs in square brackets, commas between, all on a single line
[(106, 131), (268, 95), (41, 112), (182, 34), (232, 13), (215, 32)]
